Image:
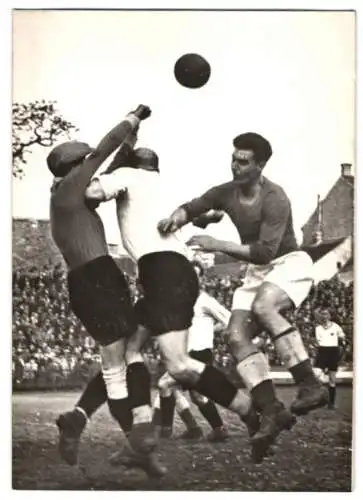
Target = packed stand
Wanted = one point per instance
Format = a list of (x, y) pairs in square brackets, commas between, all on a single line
[(52, 349)]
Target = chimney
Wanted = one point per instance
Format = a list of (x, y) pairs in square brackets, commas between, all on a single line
[(346, 169), (317, 236)]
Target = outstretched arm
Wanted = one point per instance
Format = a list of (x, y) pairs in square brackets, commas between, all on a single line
[(191, 210), (122, 156)]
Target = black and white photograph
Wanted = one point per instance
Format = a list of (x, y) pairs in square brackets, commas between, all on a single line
[(183, 233)]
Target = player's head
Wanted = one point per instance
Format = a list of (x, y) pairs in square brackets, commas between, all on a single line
[(144, 158), (66, 156), (325, 316), (251, 153)]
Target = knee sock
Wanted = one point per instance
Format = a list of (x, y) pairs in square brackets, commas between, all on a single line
[(94, 396), (139, 391), (167, 407), (121, 412), (291, 350), (183, 409), (188, 419), (156, 420), (115, 382), (255, 373), (211, 414), (215, 386), (332, 394), (117, 397), (138, 385)]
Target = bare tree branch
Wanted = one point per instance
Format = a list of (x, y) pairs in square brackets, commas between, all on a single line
[(36, 123)]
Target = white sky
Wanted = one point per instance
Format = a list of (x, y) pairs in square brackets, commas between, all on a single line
[(286, 75)]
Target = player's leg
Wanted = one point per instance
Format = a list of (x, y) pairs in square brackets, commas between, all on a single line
[(117, 322), (333, 363), (166, 397), (285, 287), (319, 367), (142, 435), (93, 396), (139, 451), (156, 412), (193, 431), (170, 297), (251, 364), (100, 298), (173, 398), (253, 368), (205, 379), (206, 407), (211, 414), (114, 375), (332, 388), (72, 423)]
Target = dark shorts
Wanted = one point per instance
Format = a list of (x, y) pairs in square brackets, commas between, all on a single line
[(328, 358), (171, 289), (205, 356), (100, 297)]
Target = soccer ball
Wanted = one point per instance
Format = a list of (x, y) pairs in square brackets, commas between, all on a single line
[(192, 71)]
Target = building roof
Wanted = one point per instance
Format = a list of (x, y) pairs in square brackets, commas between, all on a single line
[(337, 213)]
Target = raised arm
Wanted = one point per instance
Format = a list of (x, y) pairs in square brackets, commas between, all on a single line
[(73, 187), (122, 156)]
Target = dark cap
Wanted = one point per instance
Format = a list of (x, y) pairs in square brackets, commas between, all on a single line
[(65, 156), (145, 157)]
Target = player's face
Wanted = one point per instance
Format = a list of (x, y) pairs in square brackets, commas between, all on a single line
[(244, 167), (325, 317)]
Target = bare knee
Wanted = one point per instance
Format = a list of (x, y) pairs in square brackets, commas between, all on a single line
[(269, 301), (261, 309), (236, 340), (165, 382), (332, 378), (113, 355), (179, 369), (183, 370)]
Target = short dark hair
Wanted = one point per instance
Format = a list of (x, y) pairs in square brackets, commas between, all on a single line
[(259, 145)]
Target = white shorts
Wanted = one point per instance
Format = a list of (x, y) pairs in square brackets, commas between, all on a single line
[(292, 272)]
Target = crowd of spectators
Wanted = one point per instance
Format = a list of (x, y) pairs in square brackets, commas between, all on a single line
[(52, 349)]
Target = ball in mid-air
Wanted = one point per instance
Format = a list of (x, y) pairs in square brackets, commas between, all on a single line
[(192, 71)]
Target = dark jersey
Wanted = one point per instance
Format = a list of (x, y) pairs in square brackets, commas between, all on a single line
[(265, 223), (77, 229)]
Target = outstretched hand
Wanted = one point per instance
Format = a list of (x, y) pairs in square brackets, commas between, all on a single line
[(205, 242), (167, 226)]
